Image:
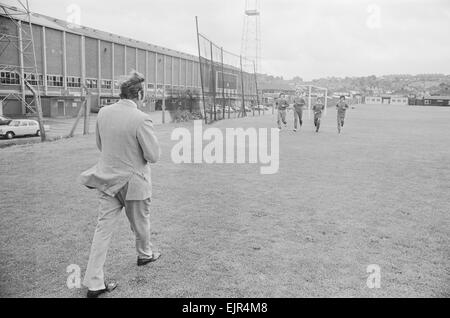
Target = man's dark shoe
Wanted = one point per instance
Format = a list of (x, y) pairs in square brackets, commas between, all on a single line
[(145, 261), (95, 293)]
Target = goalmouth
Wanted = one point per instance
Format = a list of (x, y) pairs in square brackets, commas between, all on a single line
[(319, 92)]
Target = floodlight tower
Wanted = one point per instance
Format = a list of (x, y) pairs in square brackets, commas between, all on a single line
[(251, 34)]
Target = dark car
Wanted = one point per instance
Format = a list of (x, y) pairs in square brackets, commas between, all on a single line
[(5, 120)]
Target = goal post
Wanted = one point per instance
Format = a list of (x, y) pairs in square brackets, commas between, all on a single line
[(315, 90)]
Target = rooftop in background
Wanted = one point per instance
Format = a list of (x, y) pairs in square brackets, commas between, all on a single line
[(275, 86), (437, 97)]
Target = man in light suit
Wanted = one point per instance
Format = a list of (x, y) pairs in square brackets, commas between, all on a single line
[(122, 177)]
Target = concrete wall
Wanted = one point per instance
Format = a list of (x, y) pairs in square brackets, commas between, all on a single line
[(119, 60), (73, 56), (11, 107), (151, 67), (91, 49), (106, 60)]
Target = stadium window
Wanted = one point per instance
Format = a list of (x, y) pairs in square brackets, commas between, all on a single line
[(54, 81), (150, 86), (73, 81), (91, 83), (116, 84), (31, 78), (108, 101), (9, 78), (106, 84), (427, 102)]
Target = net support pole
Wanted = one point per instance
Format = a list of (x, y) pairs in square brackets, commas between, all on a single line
[(201, 70), (213, 82), (256, 87), (87, 111), (163, 106), (80, 113), (223, 85), (244, 112)]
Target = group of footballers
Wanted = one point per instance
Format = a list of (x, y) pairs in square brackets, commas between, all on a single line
[(318, 108)]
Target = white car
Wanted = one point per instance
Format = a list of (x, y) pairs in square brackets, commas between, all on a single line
[(21, 127)]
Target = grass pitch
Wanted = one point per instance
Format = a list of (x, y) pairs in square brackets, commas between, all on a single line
[(376, 194)]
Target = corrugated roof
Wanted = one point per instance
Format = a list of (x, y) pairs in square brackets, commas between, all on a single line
[(57, 24)]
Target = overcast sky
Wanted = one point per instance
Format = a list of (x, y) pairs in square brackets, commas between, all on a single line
[(307, 38)]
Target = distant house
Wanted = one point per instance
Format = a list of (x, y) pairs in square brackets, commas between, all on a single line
[(395, 100), (433, 101), (372, 100), (386, 99), (339, 94)]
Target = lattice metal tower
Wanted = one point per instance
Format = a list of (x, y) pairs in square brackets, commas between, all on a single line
[(18, 36), (251, 34)]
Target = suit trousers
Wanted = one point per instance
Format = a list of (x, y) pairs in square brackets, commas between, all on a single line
[(110, 208)]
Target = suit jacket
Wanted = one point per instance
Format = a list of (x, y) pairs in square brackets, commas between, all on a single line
[(127, 142)]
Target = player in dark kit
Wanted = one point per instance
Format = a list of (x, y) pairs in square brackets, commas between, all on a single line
[(318, 109), (341, 107), (282, 106), (299, 103)]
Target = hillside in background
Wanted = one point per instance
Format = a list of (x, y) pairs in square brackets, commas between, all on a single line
[(397, 84)]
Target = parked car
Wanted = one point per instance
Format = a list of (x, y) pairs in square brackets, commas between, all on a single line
[(21, 127), (5, 120)]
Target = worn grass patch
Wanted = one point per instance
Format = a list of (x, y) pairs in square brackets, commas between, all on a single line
[(376, 194)]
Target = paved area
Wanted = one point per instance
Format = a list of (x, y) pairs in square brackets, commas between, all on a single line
[(60, 127)]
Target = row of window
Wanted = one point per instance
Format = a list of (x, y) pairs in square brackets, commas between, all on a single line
[(91, 83), (34, 80), (428, 101), (13, 78), (9, 78), (73, 81), (106, 84), (399, 100), (108, 101)]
